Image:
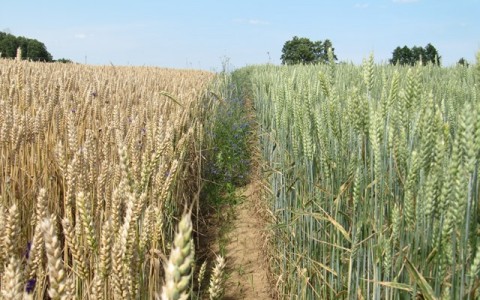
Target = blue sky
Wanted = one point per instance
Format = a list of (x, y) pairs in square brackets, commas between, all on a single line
[(202, 34)]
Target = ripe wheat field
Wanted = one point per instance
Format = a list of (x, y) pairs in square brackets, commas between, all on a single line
[(97, 166)]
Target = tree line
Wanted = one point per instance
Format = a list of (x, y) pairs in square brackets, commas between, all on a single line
[(31, 49), (301, 50), (410, 56), (298, 50)]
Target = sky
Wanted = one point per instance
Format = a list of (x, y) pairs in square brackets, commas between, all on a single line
[(205, 34)]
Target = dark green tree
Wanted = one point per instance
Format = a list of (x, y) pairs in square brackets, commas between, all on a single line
[(431, 55), (463, 62), (31, 49), (418, 54), (8, 45), (37, 51), (64, 60), (406, 56), (304, 51), (402, 55)]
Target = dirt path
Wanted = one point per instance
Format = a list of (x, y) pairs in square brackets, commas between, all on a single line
[(246, 261)]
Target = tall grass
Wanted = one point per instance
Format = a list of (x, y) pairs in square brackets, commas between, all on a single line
[(227, 132), (373, 179)]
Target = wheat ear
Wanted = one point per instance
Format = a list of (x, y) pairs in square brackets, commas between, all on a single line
[(58, 281), (217, 280), (12, 287), (179, 265)]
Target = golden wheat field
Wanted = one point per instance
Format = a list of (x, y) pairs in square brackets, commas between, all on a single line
[(97, 165)]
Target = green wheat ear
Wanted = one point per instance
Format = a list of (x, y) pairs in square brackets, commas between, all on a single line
[(368, 75), (477, 65)]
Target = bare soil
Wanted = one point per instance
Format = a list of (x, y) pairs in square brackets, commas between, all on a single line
[(246, 262), (240, 231)]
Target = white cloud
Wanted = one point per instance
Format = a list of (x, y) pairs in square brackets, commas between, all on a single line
[(257, 22), (405, 1), (80, 36), (254, 22), (362, 5)]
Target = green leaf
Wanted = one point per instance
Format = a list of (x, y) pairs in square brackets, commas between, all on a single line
[(426, 289), (396, 285), (163, 93)]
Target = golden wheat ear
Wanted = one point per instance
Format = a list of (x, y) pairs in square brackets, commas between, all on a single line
[(217, 281), (59, 284), (178, 268), (12, 287)]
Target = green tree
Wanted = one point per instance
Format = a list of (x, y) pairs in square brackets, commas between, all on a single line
[(418, 54), (327, 44), (37, 51), (31, 48), (402, 55), (463, 62), (431, 54), (300, 50), (64, 61), (406, 56), (8, 45)]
